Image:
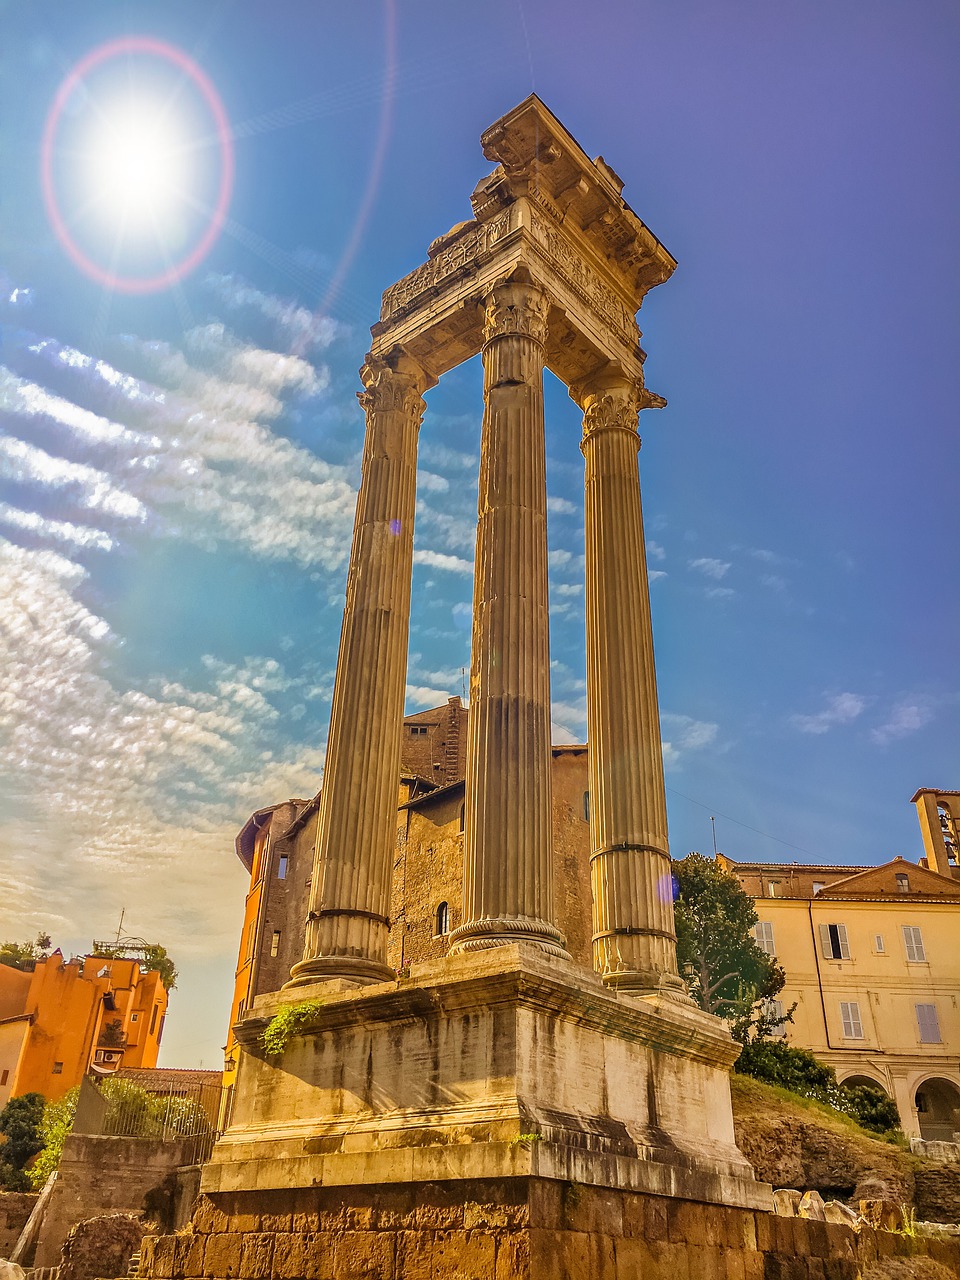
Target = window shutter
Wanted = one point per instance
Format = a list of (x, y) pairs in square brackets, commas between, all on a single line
[(826, 945), (913, 942), (928, 1023), (764, 935), (842, 937), (850, 1019)]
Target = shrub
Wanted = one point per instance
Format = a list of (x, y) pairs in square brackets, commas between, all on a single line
[(799, 1071)]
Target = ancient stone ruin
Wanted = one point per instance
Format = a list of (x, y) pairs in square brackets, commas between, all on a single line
[(503, 1112)]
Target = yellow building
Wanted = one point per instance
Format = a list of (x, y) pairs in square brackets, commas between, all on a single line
[(68, 1017), (872, 961)]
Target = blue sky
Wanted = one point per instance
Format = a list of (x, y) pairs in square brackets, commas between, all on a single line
[(178, 469)]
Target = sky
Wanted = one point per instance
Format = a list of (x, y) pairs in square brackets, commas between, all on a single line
[(186, 292)]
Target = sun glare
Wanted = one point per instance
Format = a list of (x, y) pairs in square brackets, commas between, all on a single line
[(137, 164)]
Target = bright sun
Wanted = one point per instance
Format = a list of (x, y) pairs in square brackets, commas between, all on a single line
[(137, 163)]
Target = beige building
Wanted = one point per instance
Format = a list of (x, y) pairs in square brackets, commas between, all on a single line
[(873, 965)]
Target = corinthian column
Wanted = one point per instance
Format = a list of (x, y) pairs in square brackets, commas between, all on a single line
[(634, 943), (347, 922), (508, 856)]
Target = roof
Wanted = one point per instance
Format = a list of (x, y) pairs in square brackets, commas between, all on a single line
[(878, 884), (164, 1079), (785, 867), (934, 790), (248, 832)]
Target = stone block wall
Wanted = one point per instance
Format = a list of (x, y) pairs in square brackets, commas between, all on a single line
[(512, 1229), (15, 1209), (103, 1175)]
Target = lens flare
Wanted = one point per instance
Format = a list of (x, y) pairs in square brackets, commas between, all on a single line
[(141, 167)]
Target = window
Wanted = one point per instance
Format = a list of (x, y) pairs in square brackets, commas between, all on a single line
[(586, 806), (275, 943), (418, 730), (773, 1012), (833, 941), (773, 888), (878, 946), (282, 862), (818, 886), (463, 816), (903, 882), (913, 941), (153, 1019), (850, 1019), (928, 1023), (58, 1068), (134, 1017), (4, 1076), (763, 932), (160, 1028), (443, 919)]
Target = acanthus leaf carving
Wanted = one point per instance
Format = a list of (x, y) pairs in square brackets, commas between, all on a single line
[(516, 309)]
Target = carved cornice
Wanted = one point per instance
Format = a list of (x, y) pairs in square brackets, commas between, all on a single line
[(568, 262), (391, 390), (462, 255), (515, 309)]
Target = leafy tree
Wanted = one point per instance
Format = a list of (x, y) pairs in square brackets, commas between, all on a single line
[(131, 1111), (151, 955), (20, 1127), (24, 955), (727, 972)]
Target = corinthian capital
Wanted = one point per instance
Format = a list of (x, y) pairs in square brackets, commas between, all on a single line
[(394, 385), (610, 401), (516, 309)]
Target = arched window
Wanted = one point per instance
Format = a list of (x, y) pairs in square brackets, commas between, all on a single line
[(443, 919), (463, 814), (586, 806)]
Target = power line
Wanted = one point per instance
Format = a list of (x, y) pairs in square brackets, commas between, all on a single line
[(746, 826)]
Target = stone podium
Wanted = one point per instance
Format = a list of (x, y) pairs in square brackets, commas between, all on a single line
[(479, 1095)]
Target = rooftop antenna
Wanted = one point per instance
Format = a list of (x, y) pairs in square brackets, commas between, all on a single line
[(463, 684), (120, 925), (713, 824)]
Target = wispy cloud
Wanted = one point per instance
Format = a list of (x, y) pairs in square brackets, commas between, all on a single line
[(145, 785), (907, 717), (841, 708), (710, 567), (440, 560)]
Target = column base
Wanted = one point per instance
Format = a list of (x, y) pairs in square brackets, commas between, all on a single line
[(502, 1063), (355, 970), (505, 931)]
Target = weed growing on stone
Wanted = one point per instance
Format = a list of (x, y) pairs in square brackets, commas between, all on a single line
[(289, 1022)]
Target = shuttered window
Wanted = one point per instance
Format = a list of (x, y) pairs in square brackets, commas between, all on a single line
[(833, 941), (773, 1011), (928, 1023), (913, 942), (763, 932), (850, 1019)]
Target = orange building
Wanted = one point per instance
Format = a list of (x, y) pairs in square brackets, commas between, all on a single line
[(69, 1017)]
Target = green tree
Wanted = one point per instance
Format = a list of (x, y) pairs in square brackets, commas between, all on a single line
[(131, 1111), (727, 972), (24, 955), (20, 1126), (151, 955)]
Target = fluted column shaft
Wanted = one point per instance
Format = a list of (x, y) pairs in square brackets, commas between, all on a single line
[(508, 858), (634, 941), (348, 922)]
